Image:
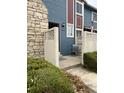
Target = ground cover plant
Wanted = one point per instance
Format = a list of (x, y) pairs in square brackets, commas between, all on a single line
[(43, 77)]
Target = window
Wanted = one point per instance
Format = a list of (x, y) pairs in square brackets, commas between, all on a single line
[(70, 30), (79, 8), (79, 33), (94, 17)]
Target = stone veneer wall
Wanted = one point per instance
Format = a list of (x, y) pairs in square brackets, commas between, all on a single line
[(37, 24)]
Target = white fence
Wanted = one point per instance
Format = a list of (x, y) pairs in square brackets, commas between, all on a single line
[(90, 42), (51, 46)]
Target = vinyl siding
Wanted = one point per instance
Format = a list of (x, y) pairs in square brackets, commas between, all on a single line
[(88, 18), (57, 13), (56, 10)]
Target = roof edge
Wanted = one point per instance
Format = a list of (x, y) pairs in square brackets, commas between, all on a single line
[(84, 1), (91, 6)]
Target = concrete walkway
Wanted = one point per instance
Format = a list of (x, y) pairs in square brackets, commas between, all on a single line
[(72, 64), (89, 78), (69, 61)]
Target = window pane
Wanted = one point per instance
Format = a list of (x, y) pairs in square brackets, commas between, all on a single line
[(79, 33), (79, 8), (70, 30), (94, 17)]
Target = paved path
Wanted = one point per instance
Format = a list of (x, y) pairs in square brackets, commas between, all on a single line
[(68, 61), (89, 78)]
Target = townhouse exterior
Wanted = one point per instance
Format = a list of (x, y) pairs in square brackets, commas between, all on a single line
[(74, 18), (68, 15)]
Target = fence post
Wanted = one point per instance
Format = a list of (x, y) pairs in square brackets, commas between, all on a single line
[(82, 49), (51, 46), (56, 31)]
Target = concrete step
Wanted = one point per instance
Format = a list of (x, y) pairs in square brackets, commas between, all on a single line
[(72, 66)]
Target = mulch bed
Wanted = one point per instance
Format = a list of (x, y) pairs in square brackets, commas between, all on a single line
[(78, 85)]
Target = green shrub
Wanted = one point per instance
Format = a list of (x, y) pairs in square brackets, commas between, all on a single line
[(43, 77), (90, 61)]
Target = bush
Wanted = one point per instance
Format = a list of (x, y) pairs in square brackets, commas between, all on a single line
[(43, 77), (90, 61)]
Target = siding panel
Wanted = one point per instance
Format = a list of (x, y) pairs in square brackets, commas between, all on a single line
[(79, 21), (57, 13), (88, 18), (70, 11), (56, 10)]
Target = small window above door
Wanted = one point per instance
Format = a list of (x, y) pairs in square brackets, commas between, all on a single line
[(94, 17)]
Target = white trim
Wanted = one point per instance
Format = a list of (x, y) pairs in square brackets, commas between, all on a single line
[(83, 16), (95, 21), (78, 29), (92, 28), (78, 14), (92, 17), (82, 47), (66, 16), (79, 2), (82, 3)]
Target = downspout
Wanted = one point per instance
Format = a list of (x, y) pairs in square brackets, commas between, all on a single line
[(74, 22)]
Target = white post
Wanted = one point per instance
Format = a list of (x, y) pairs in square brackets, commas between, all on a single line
[(91, 28), (56, 38), (83, 42), (51, 46)]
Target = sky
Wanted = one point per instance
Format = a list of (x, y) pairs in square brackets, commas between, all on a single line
[(92, 2)]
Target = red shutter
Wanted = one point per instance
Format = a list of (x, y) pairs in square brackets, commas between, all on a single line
[(79, 21), (70, 11)]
